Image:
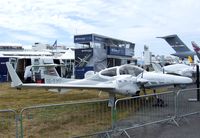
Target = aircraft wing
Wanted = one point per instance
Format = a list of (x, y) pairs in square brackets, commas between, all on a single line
[(18, 83), (70, 86), (47, 65)]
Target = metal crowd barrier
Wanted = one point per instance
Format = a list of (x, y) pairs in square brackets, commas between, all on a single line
[(187, 103), (66, 120), (145, 110), (95, 118), (142, 110), (8, 123)]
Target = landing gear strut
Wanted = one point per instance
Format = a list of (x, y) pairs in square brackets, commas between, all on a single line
[(159, 102), (112, 99)]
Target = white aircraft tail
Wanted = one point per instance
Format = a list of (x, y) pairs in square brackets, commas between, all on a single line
[(196, 49), (157, 67), (14, 77)]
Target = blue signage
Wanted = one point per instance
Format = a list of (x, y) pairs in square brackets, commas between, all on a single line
[(80, 71), (88, 38), (118, 51), (98, 39), (83, 56), (83, 38)]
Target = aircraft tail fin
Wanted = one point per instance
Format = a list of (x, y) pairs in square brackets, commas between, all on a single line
[(14, 77), (196, 49), (176, 43), (157, 67)]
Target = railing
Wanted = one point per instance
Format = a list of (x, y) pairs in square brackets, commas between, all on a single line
[(95, 118), (145, 110), (65, 120), (187, 103), (136, 111), (8, 123)]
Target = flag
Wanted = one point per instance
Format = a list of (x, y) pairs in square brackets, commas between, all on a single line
[(54, 45)]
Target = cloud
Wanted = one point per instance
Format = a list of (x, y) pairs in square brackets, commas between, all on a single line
[(134, 20), (26, 38)]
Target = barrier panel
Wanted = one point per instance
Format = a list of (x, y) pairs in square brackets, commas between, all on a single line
[(143, 110), (187, 103), (8, 124), (66, 120)]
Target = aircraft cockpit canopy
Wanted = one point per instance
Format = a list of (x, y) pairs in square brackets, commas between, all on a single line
[(50, 71), (130, 70), (109, 72), (123, 70)]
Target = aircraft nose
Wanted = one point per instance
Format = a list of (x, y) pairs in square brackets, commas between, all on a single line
[(187, 80)]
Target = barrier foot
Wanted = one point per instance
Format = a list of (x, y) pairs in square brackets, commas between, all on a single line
[(126, 134), (121, 132), (107, 134), (175, 122), (184, 118), (172, 121)]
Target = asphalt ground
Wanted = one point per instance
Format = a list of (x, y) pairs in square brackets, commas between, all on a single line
[(189, 126)]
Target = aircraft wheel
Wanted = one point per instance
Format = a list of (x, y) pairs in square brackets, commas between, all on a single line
[(136, 94)]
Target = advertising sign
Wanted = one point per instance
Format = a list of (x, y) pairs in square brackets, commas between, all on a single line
[(82, 57), (80, 71), (118, 51), (83, 38)]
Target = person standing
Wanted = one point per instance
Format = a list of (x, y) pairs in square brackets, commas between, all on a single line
[(28, 74)]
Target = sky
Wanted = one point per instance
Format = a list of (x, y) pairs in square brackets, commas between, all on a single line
[(137, 21)]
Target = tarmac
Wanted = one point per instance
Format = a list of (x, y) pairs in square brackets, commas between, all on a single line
[(189, 127)]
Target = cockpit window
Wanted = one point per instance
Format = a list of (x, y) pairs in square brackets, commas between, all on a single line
[(50, 71), (109, 72), (130, 70)]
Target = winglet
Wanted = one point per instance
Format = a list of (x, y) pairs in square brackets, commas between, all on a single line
[(14, 77)]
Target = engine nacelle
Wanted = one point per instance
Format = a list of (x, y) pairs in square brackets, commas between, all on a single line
[(127, 87)]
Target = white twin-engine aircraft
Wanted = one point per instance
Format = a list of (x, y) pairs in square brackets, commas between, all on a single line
[(176, 69), (125, 80)]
